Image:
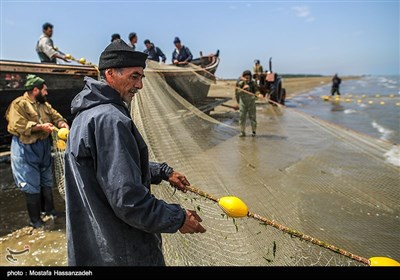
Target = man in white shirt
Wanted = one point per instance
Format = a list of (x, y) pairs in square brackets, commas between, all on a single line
[(45, 46)]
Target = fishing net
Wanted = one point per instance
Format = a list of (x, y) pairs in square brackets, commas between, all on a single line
[(311, 176), (58, 153)]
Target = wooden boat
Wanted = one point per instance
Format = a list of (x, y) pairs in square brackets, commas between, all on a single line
[(193, 82), (63, 81)]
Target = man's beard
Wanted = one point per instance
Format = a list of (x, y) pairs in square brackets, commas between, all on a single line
[(41, 98)]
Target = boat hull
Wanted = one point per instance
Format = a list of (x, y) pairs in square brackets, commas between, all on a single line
[(63, 82), (191, 83)]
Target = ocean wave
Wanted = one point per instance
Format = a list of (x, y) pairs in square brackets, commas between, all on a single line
[(393, 156), (350, 111), (383, 130)]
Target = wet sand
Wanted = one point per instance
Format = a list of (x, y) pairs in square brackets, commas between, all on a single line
[(293, 86), (47, 246)]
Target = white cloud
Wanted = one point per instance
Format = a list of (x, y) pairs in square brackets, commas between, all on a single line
[(303, 12), (232, 7)]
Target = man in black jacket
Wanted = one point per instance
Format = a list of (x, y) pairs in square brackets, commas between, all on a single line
[(153, 52), (335, 85), (181, 55), (112, 217)]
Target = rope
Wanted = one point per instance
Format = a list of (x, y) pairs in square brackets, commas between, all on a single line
[(243, 90), (288, 230), (80, 61)]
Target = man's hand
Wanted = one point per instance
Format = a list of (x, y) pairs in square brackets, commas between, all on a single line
[(60, 56), (176, 62), (179, 181), (64, 57), (192, 223), (63, 124), (46, 127)]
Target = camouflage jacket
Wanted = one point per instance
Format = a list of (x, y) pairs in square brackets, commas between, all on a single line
[(24, 113), (241, 93)]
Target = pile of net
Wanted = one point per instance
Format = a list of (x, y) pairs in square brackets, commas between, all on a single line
[(309, 175)]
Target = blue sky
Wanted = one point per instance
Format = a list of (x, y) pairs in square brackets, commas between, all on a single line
[(305, 37)]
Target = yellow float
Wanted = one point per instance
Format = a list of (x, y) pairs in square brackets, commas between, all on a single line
[(61, 144), (63, 133), (383, 261), (82, 61), (233, 206)]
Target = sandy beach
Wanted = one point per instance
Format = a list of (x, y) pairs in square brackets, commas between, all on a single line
[(293, 86), (48, 245)]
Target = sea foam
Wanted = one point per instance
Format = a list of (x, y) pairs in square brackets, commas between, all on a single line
[(393, 156), (383, 130)]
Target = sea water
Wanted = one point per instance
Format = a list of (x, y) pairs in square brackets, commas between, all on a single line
[(370, 105)]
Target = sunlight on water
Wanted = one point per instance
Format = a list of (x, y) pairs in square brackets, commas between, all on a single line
[(369, 105)]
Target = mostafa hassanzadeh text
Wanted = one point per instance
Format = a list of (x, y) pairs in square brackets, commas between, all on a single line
[(56, 272)]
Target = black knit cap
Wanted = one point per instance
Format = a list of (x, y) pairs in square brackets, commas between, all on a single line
[(115, 36), (118, 55), (247, 72)]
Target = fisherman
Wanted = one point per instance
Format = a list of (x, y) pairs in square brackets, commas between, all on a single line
[(31, 119), (181, 55), (115, 36), (45, 46), (112, 217), (245, 93), (257, 70), (133, 39), (153, 52), (336, 81)]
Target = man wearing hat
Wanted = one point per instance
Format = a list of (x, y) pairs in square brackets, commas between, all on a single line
[(181, 55), (245, 93), (31, 120), (154, 53), (112, 217), (115, 36)]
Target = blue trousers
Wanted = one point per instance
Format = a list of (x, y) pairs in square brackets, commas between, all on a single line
[(31, 165)]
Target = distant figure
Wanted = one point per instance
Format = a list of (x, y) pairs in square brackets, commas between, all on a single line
[(245, 93), (115, 36), (31, 119), (181, 55), (153, 52), (45, 46), (335, 85), (257, 70), (133, 39)]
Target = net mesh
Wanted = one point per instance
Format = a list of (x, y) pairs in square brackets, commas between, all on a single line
[(306, 174), (58, 154)]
